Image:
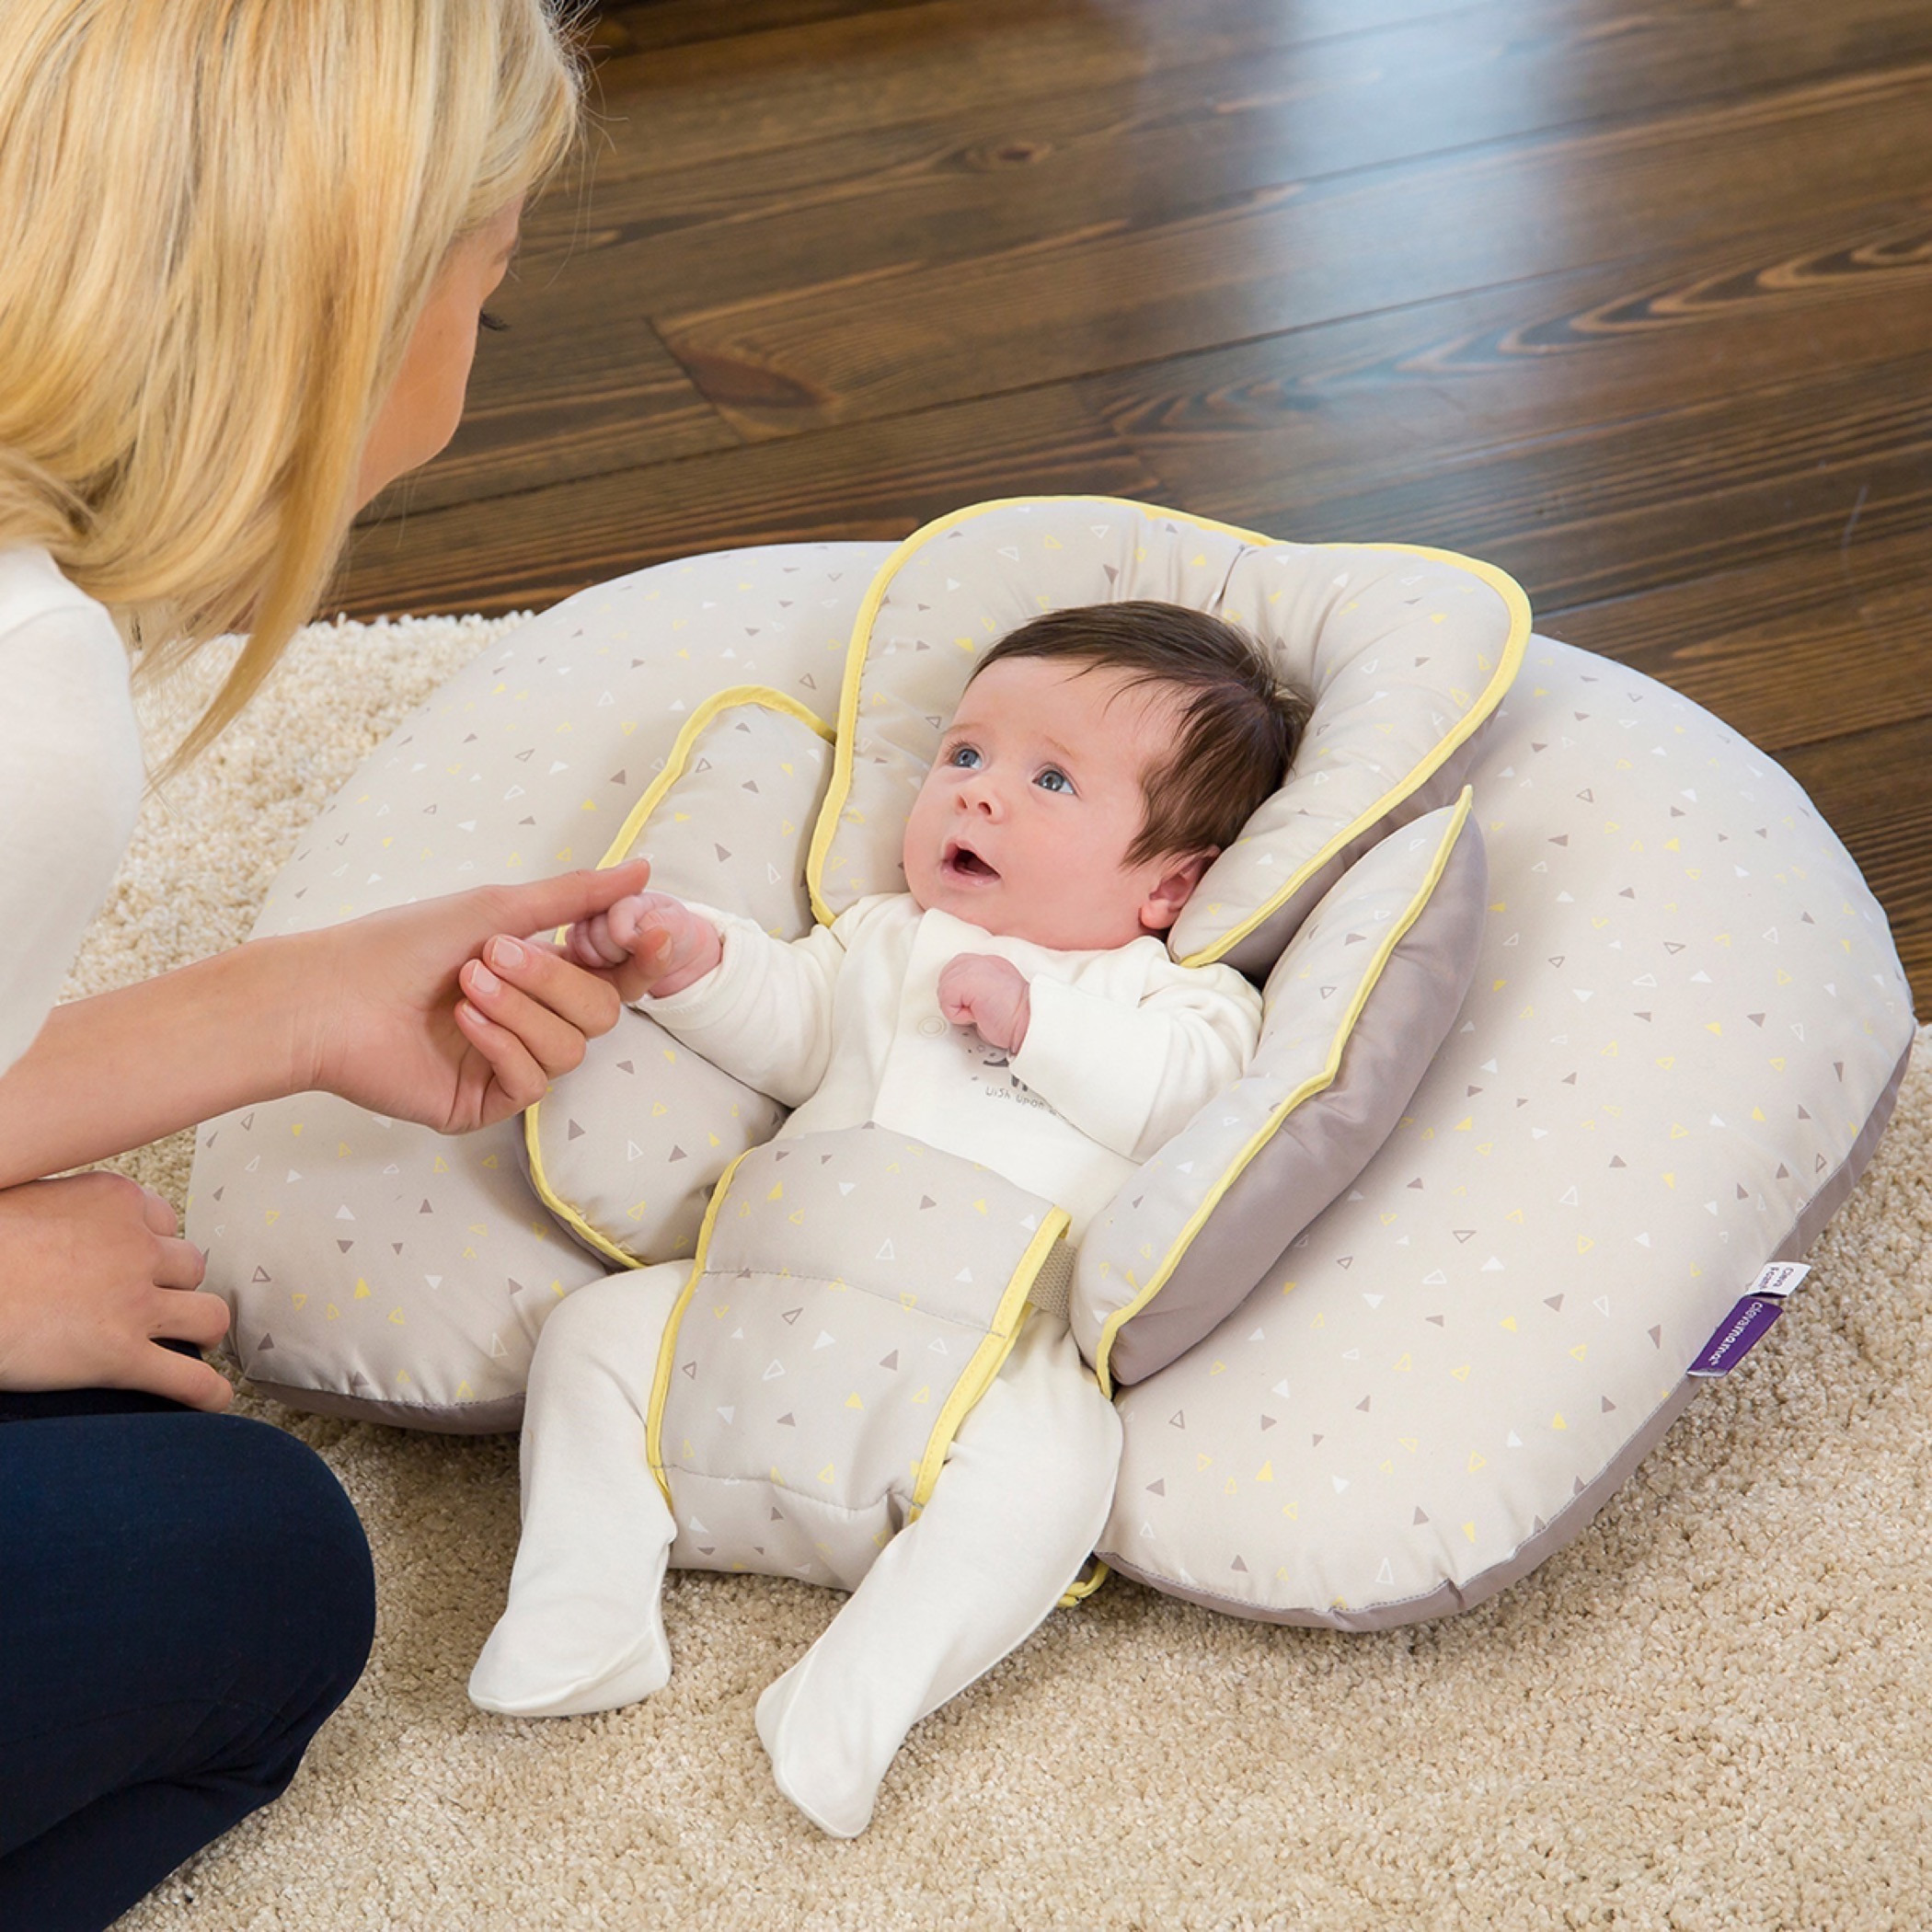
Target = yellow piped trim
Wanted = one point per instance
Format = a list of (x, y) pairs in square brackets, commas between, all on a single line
[(978, 1373), (667, 1349), (1315, 1084), (555, 1202), (676, 762), (685, 742), (1083, 1587), (1509, 662)]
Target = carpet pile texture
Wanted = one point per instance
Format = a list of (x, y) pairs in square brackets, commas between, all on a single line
[(1713, 1710)]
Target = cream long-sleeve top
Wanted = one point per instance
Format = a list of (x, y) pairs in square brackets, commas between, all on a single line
[(70, 781), (844, 1025)]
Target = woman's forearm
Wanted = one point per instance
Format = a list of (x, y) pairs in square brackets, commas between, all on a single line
[(397, 1012), (123, 1068)]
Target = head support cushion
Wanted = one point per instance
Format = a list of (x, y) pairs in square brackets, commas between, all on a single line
[(1404, 653)]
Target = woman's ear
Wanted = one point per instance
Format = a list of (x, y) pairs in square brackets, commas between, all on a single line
[(1174, 888)]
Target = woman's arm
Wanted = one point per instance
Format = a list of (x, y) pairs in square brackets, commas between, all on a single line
[(114, 1072), (397, 1012)]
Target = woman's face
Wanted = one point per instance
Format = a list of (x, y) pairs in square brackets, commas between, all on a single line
[(420, 413)]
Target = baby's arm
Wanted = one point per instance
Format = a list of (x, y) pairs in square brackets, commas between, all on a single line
[(658, 944), (758, 1007), (1131, 1073)]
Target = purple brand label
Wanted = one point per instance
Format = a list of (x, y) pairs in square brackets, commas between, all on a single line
[(1737, 1335)]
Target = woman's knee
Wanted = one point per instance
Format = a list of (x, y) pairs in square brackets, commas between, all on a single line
[(300, 1586), (186, 1597)]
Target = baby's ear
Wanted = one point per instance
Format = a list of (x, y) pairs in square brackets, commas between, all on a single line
[(1175, 887)]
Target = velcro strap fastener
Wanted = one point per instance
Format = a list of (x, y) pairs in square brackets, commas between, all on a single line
[(1052, 1289)]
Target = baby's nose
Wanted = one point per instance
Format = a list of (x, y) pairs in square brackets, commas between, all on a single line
[(981, 793)]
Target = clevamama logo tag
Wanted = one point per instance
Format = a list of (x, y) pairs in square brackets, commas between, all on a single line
[(1749, 1320)]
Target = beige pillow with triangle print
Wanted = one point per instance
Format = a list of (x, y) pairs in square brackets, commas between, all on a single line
[(627, 1151)]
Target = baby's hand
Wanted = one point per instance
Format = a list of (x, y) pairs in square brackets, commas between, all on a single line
[(989, 994), (657, 943)]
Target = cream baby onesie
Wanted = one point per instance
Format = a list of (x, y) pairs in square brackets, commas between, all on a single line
[(844, 1025)]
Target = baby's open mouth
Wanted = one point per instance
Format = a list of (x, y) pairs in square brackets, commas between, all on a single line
[(962, 862)]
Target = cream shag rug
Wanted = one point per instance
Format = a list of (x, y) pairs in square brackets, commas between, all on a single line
[(1713, 1710)]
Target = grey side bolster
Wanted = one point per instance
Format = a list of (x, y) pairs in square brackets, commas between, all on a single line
[(1451, 1598), (1353, 1022)]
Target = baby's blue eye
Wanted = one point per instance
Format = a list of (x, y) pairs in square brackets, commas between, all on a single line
[(1054, 779), (963, 756)]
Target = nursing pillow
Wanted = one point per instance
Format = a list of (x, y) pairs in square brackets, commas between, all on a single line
[(1526, 1141), (1404, 653)]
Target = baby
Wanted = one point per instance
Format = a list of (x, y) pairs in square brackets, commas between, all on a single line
[(1098, 761)]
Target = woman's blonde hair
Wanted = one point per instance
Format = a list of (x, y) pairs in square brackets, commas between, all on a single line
[(219, 222)]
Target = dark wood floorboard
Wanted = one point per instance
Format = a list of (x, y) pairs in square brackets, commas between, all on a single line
[(1602, 512), (1296, 418), (1283, 256), (872, 479), (1632, 296), (1791, 651)]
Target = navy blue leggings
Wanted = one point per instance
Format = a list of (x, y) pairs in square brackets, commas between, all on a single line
[(184, 1598)]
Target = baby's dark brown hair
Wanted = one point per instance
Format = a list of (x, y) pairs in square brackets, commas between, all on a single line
[(1238, 726)]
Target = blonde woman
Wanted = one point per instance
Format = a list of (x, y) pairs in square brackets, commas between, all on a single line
[(244, 245)]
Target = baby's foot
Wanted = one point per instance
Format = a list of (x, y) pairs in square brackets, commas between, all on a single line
[(832, 1790), (561, 1657)]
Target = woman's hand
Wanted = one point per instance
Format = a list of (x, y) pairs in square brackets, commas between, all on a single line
[(398, 1012), (93, 1278), (448, 1012)]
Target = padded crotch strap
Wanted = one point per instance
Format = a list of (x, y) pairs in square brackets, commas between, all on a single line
[(854, 1294)]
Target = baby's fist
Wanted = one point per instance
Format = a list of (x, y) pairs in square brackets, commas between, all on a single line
[(989, 994), (657, 945)]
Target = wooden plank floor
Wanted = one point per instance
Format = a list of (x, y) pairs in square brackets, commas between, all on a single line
[(1632, 296)]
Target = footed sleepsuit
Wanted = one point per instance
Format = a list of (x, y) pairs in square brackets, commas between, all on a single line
[(844, 1025)]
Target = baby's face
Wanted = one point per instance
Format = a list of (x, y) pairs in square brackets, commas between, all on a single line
[(1023, 823)]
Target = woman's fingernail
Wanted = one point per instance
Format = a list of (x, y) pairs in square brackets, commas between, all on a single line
[(507, 953), (482, 980)]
